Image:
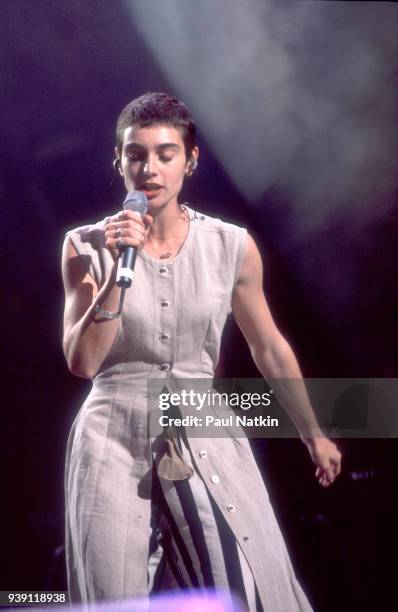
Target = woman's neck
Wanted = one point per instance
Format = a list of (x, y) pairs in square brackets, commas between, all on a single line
[(167, 222)]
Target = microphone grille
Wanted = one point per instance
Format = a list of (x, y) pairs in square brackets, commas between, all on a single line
[(136, 201)]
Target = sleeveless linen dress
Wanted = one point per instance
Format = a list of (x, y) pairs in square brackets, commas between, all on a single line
[(171, 328)]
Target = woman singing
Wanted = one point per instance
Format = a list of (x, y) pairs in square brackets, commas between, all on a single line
[(197, 514)]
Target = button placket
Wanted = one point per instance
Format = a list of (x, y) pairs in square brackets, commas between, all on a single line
[(164, 319)]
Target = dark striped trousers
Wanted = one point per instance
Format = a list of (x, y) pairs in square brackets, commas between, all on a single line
[(191, 544)]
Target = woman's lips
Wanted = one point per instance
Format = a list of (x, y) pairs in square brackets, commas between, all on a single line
[(151, 191)]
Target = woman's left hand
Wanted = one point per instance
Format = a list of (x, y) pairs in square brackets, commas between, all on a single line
[(326, 456)]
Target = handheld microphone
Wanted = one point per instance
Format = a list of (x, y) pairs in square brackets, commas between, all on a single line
[(137, 202)]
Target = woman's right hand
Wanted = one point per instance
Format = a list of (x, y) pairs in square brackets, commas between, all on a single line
[(126, 228)]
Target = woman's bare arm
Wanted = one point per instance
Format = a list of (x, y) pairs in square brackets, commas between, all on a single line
[(275, 359), (87, 336), (86, 340)]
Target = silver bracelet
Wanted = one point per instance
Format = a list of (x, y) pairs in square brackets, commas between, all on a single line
[(106, 314)]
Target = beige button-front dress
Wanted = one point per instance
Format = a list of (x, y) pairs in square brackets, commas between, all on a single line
[(171, 328)]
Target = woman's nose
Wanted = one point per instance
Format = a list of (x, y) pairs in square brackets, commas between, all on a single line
[(149, 167)]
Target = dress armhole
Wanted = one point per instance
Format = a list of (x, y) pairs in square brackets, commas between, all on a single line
[(85, 258), (242, 248)]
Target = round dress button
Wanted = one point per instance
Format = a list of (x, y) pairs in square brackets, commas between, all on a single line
[(203, 454), (163, 270), (164, 336), (231, 508), (164, 304), (246, 538), (164, 366), (215, 479)]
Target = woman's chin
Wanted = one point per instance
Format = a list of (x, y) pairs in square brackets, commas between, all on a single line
[(156, 205)]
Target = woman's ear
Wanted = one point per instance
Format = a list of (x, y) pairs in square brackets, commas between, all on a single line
[(192, 163), (116, 162)]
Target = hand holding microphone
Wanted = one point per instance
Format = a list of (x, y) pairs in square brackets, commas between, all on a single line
[(126, 233)]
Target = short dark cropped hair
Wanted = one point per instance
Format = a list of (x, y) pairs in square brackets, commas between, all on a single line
[(157, 108)]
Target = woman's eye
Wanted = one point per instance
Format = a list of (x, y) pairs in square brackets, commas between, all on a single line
[(165, 159)]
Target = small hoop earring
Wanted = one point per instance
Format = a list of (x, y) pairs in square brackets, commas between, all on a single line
[(116, 165), (192, 165)]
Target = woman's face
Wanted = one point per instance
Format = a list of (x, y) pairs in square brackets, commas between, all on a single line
[(153, 161)]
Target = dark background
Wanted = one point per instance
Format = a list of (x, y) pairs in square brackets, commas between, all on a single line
[(67, 69)]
